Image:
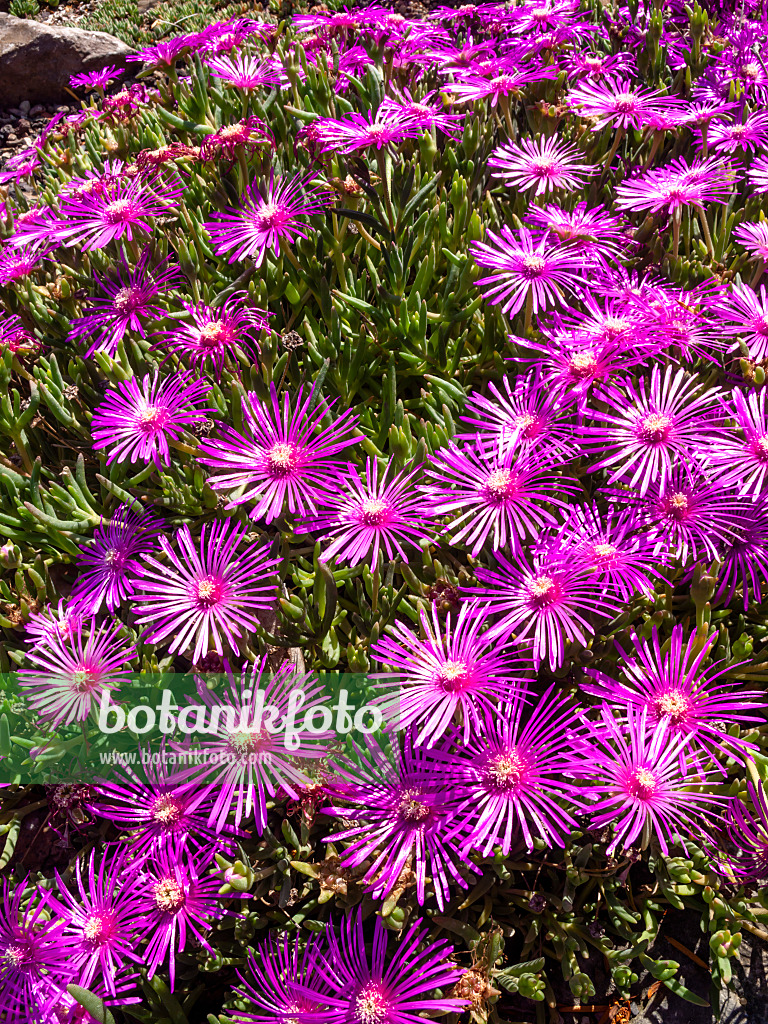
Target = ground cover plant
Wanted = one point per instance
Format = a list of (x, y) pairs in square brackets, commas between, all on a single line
[(426, 353)]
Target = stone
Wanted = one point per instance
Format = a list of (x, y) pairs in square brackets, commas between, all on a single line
[(37, 59)]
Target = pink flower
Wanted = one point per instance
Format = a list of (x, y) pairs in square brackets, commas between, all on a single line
[(548, 165)]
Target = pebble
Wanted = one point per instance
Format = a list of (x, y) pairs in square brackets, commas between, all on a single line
[(24, 107), (39, 109)]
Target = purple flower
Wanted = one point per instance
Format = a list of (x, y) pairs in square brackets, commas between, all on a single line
[(750, 135), (69, 676), (758, 175), (33, 953), (165, 54), (501, 493), (546, 599), (528, 415), (745, 560), (267, 221), (159, 810), (619, 103), (128, 302), (121, 210), (452, 668), (425, 115), (359, 131), (550, 165), (207, 592), (754, 238), (402, 808), (95, 79), (595, 233), (528, 271), (670, 683), (176, 905), (506, 81), (510, 775), (215, 333), (287, 985), (284, 458), (22, 165), (99, 919), (14, 337), (648, 428), (634, 774), (252, 754), (244, 135), (676, 185), (572, 362), (244, 71), (110, 560), (20, 261), (137, 419), (612, 548), (60, 623), (743, 314), (688, 516), (381, 512), (365, 988)]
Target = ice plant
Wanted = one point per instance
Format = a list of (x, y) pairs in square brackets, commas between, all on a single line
[(400, 810), (747, 831), (284, 982), (212, 337), (388, 126), (530, 273), (207, 592), (269, 218), (284, 459), (252, 754), (650, 426), (745, 559), (672, 682), (68, 676), (742, 314), (109, 562), (511, 774), (618, 102), (495, 494), (367, 988), (379, 513), (544, 599), (639, 789), (244, 71), (541, 168), (137, 420), (453, 669), (129, 300)]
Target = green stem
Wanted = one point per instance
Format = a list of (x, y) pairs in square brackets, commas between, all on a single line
[(614, 148), (383, 160), (528, 313), (676, 231), (705, 230)]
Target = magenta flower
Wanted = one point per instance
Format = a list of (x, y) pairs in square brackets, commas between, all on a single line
[(365, 988), (33, 953), (550, 165), (528, 271), (284, 458), (634, 774), (570, 363), (676, 185), (159, 810), (99, 919), (20, 166), (648, 428), (60, 622), (453, 668), (424, 114), (360, 131), (546, 600), (267, 221), (177, 904), (745, 560), (253, 754), (287, 983), (619, 103), (207, 592), (214, 334), (138, 419), (507, 81), (511, 774), (69, 676), (688, 516), (19, 262), (381, 512), (742, 314), (671, 683), (500, 493), (596, 234), (95, 79), (246, 135), (749, 136), (617, 554), (758, 175), (128, 301), (754, 238), (14, 337), (121, 210), (108, 563), (399, 813), (244, 71), (528, 416)]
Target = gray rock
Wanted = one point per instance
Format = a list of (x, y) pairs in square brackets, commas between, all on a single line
[(37, 60)]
